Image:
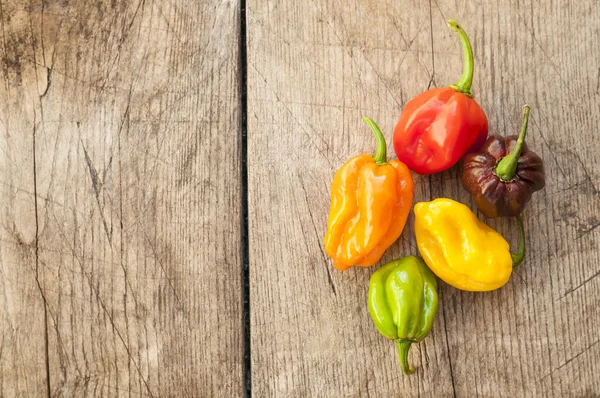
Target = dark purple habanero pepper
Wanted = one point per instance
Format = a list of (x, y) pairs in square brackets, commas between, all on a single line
[(503, 174)]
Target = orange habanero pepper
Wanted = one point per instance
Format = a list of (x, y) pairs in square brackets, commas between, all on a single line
[(370, 202)]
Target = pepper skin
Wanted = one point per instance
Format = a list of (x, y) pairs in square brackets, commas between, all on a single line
[(501, 182), (370, 202), (437, 127), (402, 302), (460, 249)]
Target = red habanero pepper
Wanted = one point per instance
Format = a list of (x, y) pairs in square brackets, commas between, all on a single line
[(439, 126)]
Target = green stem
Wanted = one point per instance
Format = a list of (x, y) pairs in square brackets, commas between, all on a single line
[(507, 167), (518, 258), (381, 155), (464, 84), (403, 347)]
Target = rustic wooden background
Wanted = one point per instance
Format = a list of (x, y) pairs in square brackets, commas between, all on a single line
[(136, 135)]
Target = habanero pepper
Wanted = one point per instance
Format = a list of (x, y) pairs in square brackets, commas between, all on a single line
[(439, 126), (504, 174), (461, 250), (402, 302), (370, 202)]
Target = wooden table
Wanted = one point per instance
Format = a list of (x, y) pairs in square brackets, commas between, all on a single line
[(137, 137)]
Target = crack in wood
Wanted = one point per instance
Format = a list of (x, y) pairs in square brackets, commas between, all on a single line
[(49, 81), (244, 211), (448, 349), (37, 260)]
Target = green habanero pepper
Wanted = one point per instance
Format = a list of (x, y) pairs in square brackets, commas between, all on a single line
[(403, 301)]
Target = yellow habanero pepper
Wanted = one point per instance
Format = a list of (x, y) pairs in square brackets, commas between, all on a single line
[(460, 249), (370, 202)]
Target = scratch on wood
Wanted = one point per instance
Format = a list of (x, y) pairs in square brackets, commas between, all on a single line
[(109, 314), (301, 125), (585, 171), (308, 206), (122, 40), (440, 10), (125, 345), (551, 150), (432, 78), (124, 37), (410, 49), (385, 83), (157, 257), (587, 230), (532, 33), (96, 185), (349, 52), (579, 286), (568, 361)]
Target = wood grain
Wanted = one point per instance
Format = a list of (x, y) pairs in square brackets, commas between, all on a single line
[(314, 71), (538, 336), (119, 190), (120, 244)]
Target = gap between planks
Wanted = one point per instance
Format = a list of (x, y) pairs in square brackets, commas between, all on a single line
[(245, 243)]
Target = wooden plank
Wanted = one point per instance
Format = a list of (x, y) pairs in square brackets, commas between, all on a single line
[(538, 335), (22, 324), (119, 192), (314, 71)]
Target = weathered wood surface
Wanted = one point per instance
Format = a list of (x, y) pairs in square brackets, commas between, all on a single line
[(314, 70), (119, 199), (120, 246)]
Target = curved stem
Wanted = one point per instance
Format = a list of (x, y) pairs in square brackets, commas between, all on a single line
[(507, 167), (464, 84), (403, 347), (518, 257), (381, 155)]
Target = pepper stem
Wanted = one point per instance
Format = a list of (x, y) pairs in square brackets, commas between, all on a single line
[(381, 155), (464, 84), (403, 347), (507, 167), (518, 257)]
